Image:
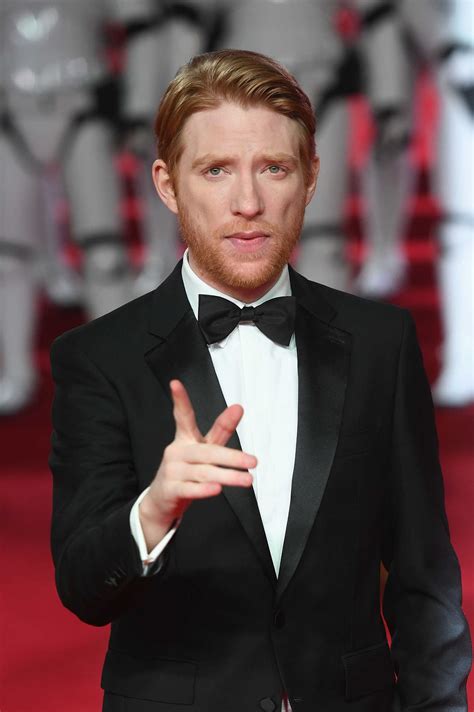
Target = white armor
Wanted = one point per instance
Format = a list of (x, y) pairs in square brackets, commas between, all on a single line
[(443, 33), (51, 64), (387, 179), (455, 188)]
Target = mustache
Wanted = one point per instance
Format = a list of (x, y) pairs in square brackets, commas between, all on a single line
[(231, 228)]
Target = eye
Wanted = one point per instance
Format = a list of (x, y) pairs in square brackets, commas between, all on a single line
[(275, 170), (214, 171)]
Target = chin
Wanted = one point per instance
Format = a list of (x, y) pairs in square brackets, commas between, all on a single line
[(250, 275)]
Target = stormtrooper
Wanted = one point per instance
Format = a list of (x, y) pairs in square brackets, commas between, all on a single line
[(387, 178), (454, 185), (442, 33), (54, 94)]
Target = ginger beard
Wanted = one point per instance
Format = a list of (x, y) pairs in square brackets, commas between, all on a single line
[(220, 265)]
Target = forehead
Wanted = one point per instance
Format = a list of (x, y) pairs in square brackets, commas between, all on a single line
[(240, 130)]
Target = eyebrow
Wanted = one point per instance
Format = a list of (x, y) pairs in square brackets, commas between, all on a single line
[(209, 158)]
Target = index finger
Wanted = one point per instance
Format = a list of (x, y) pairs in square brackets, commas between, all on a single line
[(183, 413)]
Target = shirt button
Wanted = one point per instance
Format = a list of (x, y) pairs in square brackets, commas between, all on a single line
[(279, 620)]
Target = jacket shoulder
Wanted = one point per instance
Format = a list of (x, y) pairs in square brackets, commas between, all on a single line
[(110, 334), (351, 312)]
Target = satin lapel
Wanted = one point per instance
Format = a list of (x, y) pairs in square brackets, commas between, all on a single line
[(323, 361), (183, 354)]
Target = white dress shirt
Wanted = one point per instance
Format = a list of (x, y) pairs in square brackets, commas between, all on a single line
[(262, 376)]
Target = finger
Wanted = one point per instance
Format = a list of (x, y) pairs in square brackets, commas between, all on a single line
[(224, 425), (183, 413), (211, 473), (198, 490), (210, 454)]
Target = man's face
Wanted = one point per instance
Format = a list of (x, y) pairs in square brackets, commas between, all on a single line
[(240, 195)]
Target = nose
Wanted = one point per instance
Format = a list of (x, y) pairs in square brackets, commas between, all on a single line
[(247, 200)]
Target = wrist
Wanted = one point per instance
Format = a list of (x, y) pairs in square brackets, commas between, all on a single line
[(154, 524)]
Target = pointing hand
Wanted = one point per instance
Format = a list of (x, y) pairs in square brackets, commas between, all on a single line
[(194, 466)]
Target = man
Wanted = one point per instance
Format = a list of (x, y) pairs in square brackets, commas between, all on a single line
[(237, 552)]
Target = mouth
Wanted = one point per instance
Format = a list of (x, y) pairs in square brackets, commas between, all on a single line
[(248, 241)]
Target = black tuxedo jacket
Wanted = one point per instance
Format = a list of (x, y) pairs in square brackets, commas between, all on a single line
[(214, 630)]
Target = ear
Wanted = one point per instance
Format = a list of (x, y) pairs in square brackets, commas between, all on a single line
[(164, 184), (311, 187)]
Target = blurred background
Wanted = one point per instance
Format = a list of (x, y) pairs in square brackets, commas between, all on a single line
[(82, 232)]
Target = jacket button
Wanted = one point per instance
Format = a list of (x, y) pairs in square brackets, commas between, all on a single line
[(267, 704), (279, 620)]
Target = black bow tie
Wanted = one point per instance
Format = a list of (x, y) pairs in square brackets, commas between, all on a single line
[(275, 318)]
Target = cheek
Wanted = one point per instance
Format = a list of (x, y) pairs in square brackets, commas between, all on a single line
[(282, 197), (285, 209), (194, 206), (210, 214), (207, 202)]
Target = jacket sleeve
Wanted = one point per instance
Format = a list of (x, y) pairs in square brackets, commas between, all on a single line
[(97, 562), (422, 601)]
